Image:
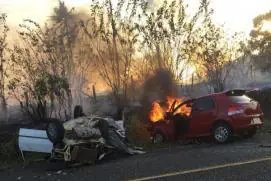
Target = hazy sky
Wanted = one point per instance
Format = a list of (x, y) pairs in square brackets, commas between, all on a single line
[(236, 14)]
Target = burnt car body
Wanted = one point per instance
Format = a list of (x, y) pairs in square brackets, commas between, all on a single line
[(219, 115), (88, 139)]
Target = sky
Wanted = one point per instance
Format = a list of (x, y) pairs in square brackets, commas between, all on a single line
[(236, 15)]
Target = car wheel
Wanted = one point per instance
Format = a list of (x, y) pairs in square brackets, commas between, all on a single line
[(250, 133), (222, 133), (158, 138)]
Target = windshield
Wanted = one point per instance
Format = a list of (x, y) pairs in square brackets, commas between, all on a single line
[(240, 99)]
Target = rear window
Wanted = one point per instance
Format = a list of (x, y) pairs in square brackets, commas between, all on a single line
[(240, 99)]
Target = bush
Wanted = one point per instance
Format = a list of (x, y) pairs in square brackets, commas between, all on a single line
[(9, 152), (137, 132)]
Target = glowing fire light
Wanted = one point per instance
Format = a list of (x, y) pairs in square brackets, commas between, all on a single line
[(158, 112)]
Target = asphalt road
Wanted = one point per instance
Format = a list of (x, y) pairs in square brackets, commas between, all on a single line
[(240, 160)]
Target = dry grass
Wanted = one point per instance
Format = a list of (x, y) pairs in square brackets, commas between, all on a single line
[(9, 152), (10, 155)]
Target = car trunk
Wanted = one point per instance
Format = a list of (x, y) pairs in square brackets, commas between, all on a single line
[(250, 106)]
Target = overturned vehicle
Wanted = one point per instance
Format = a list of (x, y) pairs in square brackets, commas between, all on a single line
[(88, 139)]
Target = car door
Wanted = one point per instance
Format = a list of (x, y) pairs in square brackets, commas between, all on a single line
[(202, 116)]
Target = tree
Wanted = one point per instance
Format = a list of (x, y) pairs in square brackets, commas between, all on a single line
[(39, 78), (52, 57), (168, 36), (260, 42), (72, 40), (215, 53), (113, 40), (3, 46), (63, 23)]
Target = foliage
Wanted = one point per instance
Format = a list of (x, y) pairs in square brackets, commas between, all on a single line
[(124, 43), (168, 33), (44, 65), (113, 39), (215, 53), (161, 38), (38, 99), (64, 29), (260, 42), (3, 69), (40, 72)]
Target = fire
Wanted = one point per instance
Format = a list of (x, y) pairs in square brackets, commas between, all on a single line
[(158, 112)]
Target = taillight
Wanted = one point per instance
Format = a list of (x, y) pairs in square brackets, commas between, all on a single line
[(234, 110)]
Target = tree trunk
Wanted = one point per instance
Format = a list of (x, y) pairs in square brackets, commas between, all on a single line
[(3, 108)]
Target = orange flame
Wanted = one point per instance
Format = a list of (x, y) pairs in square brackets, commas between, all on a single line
[(158, 112)]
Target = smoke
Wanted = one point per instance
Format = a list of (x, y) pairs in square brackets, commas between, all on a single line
[(157, 87), (161, 83)]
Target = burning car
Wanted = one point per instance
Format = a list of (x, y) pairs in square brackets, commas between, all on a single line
[(219, 115), (88, 139)]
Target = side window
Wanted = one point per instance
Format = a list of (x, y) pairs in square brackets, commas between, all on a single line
[(203, 104)]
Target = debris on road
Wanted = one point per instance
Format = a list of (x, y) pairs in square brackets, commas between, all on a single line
[(59, 172)]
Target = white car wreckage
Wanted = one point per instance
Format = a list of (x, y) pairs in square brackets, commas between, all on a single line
[(88, 139)]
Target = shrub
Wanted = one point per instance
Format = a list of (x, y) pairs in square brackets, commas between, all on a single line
[(9, 152), (137, 132)]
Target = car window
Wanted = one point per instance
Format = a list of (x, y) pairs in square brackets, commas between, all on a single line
[(185, 109), (203, 104), (240, 99)]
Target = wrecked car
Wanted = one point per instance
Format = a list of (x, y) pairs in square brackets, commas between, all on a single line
[(88, 139), (219, 115)]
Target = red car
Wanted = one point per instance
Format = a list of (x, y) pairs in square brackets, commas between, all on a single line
[(219, 115)]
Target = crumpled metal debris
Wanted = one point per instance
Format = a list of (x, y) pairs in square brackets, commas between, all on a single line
[(94, 127), (87, 132)]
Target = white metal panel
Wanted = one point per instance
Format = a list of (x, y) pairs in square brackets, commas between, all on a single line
[(34, 141), (33, 133)]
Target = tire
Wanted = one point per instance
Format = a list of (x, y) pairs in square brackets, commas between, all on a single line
[(158, 138), (222, 133), (78, 112), (55, 131), (250, 133)]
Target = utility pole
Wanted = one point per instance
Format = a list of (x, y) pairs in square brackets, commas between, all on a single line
[(192, 83), (251, 72), (94, 93)]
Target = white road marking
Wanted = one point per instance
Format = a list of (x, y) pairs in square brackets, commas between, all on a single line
[(201, 169)]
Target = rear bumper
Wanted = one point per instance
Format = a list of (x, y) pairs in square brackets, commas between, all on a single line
[(247, 123)]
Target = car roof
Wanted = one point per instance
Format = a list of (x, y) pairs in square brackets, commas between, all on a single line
[(219, 93), (207, 95)]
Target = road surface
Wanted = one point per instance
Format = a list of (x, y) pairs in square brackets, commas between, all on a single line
[(240, 160)]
